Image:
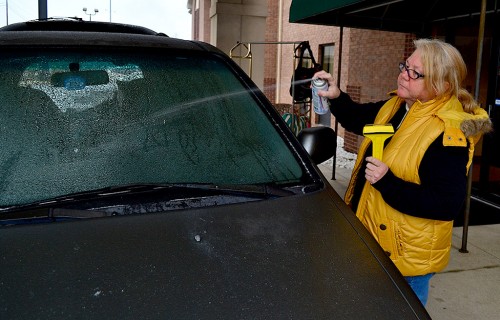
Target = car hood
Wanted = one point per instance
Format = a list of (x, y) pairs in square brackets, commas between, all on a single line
[(293, 257)]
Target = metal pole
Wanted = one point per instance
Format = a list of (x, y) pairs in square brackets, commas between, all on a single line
[(277, 90), (465, 231), (339, 73), (109, 10), (42, 10)]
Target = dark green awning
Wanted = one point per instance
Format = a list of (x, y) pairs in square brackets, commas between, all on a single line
[(417, 16), (301, 10)]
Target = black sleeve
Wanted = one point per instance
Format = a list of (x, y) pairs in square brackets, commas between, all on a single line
[(354, 116), (442, 189)]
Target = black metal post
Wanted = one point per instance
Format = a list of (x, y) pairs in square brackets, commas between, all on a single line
[(465, 231), (42, 9), (339, 72)]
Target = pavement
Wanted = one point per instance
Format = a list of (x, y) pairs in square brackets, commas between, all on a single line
[(469, 287)]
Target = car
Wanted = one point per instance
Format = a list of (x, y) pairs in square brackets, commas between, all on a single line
[(148, 177)]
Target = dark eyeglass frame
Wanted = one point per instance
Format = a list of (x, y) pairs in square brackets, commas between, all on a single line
[(412, 74)]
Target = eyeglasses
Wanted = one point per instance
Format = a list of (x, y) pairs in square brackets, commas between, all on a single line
[(412, 74)]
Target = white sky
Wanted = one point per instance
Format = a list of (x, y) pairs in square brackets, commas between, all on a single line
[(168, 16)]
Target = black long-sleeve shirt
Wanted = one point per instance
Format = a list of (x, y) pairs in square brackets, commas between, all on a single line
[(442, 171)]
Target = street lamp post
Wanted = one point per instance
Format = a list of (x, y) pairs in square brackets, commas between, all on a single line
[(90, 14), (7, 12)]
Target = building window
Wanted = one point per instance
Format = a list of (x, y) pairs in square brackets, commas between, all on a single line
[(326, 57)]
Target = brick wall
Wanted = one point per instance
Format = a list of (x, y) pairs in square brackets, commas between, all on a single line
[(271, 49), (373, 69), (369, 66), (351, 140), (296, 32), (373, 63), (368, 70), (409, 46)]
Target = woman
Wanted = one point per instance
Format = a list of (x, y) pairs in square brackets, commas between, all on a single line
[(409, 198)]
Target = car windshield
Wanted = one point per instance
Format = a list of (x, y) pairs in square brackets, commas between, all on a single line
[(79, 121)]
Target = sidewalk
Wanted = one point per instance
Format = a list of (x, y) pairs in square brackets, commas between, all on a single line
[(469, 288)]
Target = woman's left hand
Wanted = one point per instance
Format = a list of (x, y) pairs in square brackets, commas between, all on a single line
[(375, 169)]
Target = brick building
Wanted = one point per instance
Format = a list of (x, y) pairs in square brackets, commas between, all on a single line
[(368, 63), (364, 61)]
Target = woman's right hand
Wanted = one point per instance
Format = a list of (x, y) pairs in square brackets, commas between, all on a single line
[(333, 91)]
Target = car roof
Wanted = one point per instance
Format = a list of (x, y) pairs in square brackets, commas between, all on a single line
[(80, 33), (77, 24)]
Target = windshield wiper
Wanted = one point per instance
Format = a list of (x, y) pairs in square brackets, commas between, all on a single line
[(43, 215), (165, 192), (270, 190)]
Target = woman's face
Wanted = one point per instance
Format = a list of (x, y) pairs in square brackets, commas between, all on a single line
[(413, 89)]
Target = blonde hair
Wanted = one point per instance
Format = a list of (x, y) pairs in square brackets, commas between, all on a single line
[(443, 64)]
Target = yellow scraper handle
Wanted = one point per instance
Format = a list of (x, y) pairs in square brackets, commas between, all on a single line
[(378, 133)]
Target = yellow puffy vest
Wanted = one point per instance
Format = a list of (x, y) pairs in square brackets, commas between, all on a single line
[(417, 246)]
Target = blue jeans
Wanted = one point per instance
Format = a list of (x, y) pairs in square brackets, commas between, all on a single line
[(420, 284)]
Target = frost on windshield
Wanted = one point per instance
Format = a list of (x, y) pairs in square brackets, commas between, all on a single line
[(76, 86), (73, 123)]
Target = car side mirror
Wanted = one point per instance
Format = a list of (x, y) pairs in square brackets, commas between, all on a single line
[(319, 142)]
